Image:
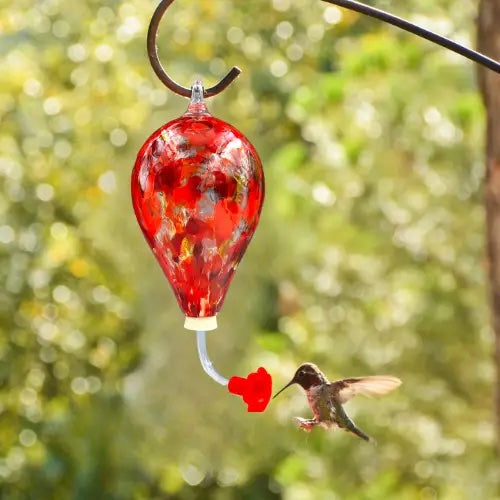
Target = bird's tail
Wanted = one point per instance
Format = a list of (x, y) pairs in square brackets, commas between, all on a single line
[(351, 427), (358, 432), (347, 424)]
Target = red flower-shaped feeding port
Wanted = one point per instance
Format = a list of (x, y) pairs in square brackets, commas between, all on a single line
[(255, 390), (197, 191)]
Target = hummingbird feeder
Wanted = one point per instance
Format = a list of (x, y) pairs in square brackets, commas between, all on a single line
[(197, 192)]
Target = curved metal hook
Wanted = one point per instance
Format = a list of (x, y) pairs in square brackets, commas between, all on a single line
[(158, 68), (348, 4)]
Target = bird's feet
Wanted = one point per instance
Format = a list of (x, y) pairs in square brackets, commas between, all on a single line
[(306, 424)]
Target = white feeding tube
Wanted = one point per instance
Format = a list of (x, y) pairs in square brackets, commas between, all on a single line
[(201, 342)]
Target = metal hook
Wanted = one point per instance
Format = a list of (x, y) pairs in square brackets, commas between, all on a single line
[(348, 4), (158, 68)]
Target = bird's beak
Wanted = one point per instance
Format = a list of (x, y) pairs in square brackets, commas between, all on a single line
[(287, 385)]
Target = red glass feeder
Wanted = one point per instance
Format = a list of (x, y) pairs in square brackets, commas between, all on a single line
[(197, 192)]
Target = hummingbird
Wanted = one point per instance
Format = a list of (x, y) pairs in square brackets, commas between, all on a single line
[(326, 398)]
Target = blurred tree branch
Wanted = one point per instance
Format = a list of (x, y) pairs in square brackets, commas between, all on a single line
[(489, 43)]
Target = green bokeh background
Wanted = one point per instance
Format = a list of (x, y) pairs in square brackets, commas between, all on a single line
[(368, 258)]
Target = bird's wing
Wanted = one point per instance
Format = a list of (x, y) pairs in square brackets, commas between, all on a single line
[(345, 389)]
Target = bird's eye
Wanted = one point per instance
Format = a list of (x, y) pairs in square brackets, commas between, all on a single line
[(302, 373)]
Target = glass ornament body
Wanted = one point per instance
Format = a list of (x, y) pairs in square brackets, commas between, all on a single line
[(197, 191)]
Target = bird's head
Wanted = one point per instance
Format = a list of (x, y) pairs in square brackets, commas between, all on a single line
[(307, 376)]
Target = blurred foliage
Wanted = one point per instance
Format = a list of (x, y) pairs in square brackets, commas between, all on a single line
[(368, 258)]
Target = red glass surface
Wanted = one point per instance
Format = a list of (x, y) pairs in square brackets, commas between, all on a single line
[(197, 192), (255, 390)]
